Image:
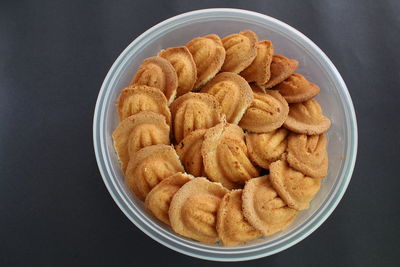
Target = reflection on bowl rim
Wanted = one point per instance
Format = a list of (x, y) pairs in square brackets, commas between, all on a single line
[(196, 249)]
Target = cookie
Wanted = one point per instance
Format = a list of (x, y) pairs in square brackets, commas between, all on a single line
[(232, 92), (225, 156), (159, 73), (263, 208), (266, 113), (241, 50), (232, 227), (209, 55), (265, 148), (136, 98), (149, 166), (296, 189), (259, 70), (189, 152), (307, 118), (193, 209), (297, 88), (281, 68), (159, 198), (194, 111), (143, 129), (183, 63), (307, 154)]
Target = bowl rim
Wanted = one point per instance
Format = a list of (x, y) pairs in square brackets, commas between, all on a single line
[(226, 253)]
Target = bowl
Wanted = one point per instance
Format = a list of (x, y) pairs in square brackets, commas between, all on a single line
[(314, 64)]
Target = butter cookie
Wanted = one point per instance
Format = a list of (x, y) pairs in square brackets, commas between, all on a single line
[(194, 111), (136, 98), (297, 88), (265, 148), (159, 73), (149, 166), (209, 55), (225, 156), (296, 189), (263, 208), (307, 118), (159, 198), (193, 209), (307, 154), (281, 68), (232, 227), (189, 151), (241, 50), (143, 129), (232, 92), (259, 70), (266, 113), (183, 63)]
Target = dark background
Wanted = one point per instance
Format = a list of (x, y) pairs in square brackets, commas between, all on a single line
[(54, 207)]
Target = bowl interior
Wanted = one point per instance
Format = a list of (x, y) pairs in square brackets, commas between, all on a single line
[(333, 98)]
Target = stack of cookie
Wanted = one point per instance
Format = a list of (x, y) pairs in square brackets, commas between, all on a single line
[(221, 139)]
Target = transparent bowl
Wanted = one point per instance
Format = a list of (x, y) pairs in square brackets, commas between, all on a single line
[(314, 64)]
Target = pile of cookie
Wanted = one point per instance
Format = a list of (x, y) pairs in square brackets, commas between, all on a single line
[(221, 138)]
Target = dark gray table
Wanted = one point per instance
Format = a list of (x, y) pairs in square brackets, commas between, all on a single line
[(55, 210)]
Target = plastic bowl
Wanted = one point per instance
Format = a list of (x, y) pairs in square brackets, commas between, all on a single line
[(314, 64)]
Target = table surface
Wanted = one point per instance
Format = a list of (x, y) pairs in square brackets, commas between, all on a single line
[(54, 55)]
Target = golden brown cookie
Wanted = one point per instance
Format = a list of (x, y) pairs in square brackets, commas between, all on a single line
[(232, 227), (159, 198), (225, 156), (209, 55), (193, 209), (232, 92), (266, 113), (194, 111), (259, 70), (183, 63), (307, 118), (296, 89), (241, 50), (149, 166), (143, 129), (159, 73), (296, 189), (263, 208), (136, 98), (307, 154), (281, 68), (265, 148), (189, 151)]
